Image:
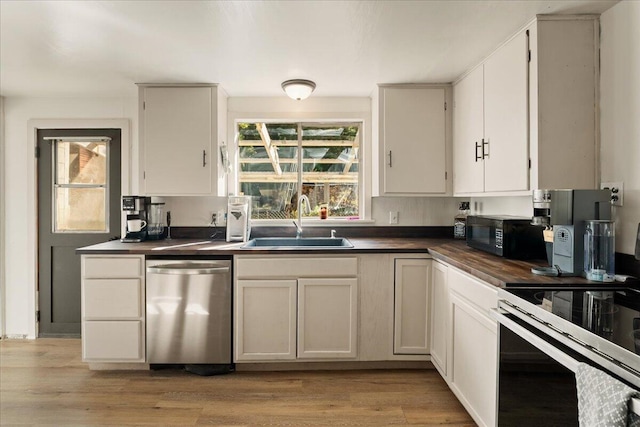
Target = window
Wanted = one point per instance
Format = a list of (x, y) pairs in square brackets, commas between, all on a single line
[(80, 190), (279, 162)]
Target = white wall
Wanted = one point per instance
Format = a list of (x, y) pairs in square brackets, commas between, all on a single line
[(2, 227), (19, 169), (620, 113), (517, 206)]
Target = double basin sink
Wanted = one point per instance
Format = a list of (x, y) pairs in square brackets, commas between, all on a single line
[(295, 243)]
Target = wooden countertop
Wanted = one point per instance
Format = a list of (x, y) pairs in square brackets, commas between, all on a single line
[(489, 268)]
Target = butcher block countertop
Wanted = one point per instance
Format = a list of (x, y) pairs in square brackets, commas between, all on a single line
[(489, 268)]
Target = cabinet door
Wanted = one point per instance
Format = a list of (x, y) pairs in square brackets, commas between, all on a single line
[(113, 341), (265, 319), (178, 140), (468, 133), (413, 135), (474, 353), (411, 318), (439, 317), (506, 117), (112, 299), (327, 318)]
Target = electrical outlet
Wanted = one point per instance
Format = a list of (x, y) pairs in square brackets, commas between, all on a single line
[(221, 218), (617, 192), (393, 217)]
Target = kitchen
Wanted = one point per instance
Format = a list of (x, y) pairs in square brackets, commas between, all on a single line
[(618, 154)]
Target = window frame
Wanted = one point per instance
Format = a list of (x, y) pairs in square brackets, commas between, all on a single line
[(53, 141), (364, 199)]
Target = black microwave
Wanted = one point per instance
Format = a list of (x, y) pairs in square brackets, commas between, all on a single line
[(506, 236)]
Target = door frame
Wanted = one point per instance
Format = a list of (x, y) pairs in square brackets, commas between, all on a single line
[(33, 126)]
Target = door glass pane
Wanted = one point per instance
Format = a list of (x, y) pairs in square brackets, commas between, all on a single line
[(80, 171), (81, 162), (80, 209)]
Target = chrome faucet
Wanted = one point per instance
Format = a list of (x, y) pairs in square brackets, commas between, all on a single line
[(298, 225)]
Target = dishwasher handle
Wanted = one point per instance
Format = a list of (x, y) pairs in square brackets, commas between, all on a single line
[(189, 269)]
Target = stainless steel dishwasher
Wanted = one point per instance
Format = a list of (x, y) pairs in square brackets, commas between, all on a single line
[(189, 312)]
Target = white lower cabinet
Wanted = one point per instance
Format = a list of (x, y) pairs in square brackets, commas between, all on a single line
[(394, 307), (266, 317), (472, 351), (327, 318), (113, 341), (292, 308), (411, 314), (113, 312), (439, 317)]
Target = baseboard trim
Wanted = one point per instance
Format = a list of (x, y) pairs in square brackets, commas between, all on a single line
[(332, 366)]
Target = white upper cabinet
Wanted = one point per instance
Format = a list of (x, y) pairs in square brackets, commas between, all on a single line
[(528, 113), (412, 140), (563, 92), (491, 152), (468, 133), (181, 131), (506, 150)]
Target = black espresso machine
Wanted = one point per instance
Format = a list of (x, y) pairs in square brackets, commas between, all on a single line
[(137, 212)]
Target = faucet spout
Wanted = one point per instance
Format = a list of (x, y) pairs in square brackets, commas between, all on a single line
[(298, 229), (303, 199)]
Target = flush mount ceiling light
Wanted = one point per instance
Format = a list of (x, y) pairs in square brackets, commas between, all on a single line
[(298, 88)]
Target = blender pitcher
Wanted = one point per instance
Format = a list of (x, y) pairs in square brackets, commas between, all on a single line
[(155, 226), (599, 250)]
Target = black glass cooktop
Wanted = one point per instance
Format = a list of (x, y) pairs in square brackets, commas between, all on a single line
[(611, 312)]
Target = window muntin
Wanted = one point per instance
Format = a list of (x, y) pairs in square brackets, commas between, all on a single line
[(80, 185), (327, 173)]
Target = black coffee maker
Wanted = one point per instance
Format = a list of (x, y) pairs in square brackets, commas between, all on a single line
[(137, 210)]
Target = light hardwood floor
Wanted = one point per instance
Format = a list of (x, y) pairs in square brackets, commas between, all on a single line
[(44, 382)]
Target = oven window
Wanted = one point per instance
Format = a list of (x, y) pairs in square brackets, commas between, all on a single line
[(534, 390)]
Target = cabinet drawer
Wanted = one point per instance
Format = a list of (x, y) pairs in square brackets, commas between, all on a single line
[(113, 341), (263, 267), (481, 295), (111, 298), (112, 267)]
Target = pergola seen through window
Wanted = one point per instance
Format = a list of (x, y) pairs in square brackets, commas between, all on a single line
[(278, 162)]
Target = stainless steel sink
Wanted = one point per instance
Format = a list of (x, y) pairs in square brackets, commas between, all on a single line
[(302, 243)]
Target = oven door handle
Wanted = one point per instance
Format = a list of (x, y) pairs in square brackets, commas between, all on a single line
[(551, 351)]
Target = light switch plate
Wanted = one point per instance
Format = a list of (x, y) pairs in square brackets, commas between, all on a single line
[(617, 192)]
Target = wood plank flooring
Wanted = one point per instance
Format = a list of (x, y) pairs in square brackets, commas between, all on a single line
[(44, 383)]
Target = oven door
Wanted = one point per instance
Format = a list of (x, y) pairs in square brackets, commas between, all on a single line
[(536, 384)]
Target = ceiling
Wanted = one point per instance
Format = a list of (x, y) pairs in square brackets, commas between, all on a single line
[(101, 48)]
